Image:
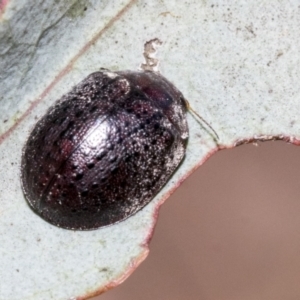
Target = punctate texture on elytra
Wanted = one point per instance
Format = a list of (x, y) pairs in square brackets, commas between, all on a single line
[(105, 149)]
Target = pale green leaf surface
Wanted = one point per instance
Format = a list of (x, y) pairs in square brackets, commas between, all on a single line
[(237, 65)]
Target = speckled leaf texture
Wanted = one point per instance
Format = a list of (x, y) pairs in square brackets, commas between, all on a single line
[(237, 62)]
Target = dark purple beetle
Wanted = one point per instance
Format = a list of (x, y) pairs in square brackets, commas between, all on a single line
[(105, 149)]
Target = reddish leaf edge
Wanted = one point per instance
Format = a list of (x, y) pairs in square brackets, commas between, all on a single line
[(132, 267), (137, 261)]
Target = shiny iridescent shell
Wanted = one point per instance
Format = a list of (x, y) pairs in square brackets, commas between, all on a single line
[(105, 149)]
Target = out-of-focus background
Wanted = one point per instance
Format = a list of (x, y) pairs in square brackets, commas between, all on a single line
[(230, 232)]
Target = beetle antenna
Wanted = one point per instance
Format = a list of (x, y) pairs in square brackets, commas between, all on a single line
[(190, 109)]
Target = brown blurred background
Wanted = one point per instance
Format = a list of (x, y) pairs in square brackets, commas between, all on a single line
[(230, 232)]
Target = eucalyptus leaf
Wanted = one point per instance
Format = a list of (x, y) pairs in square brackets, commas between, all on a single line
[(237, 64)]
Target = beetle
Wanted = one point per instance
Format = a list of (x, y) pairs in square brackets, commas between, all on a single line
[(105, 149)]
